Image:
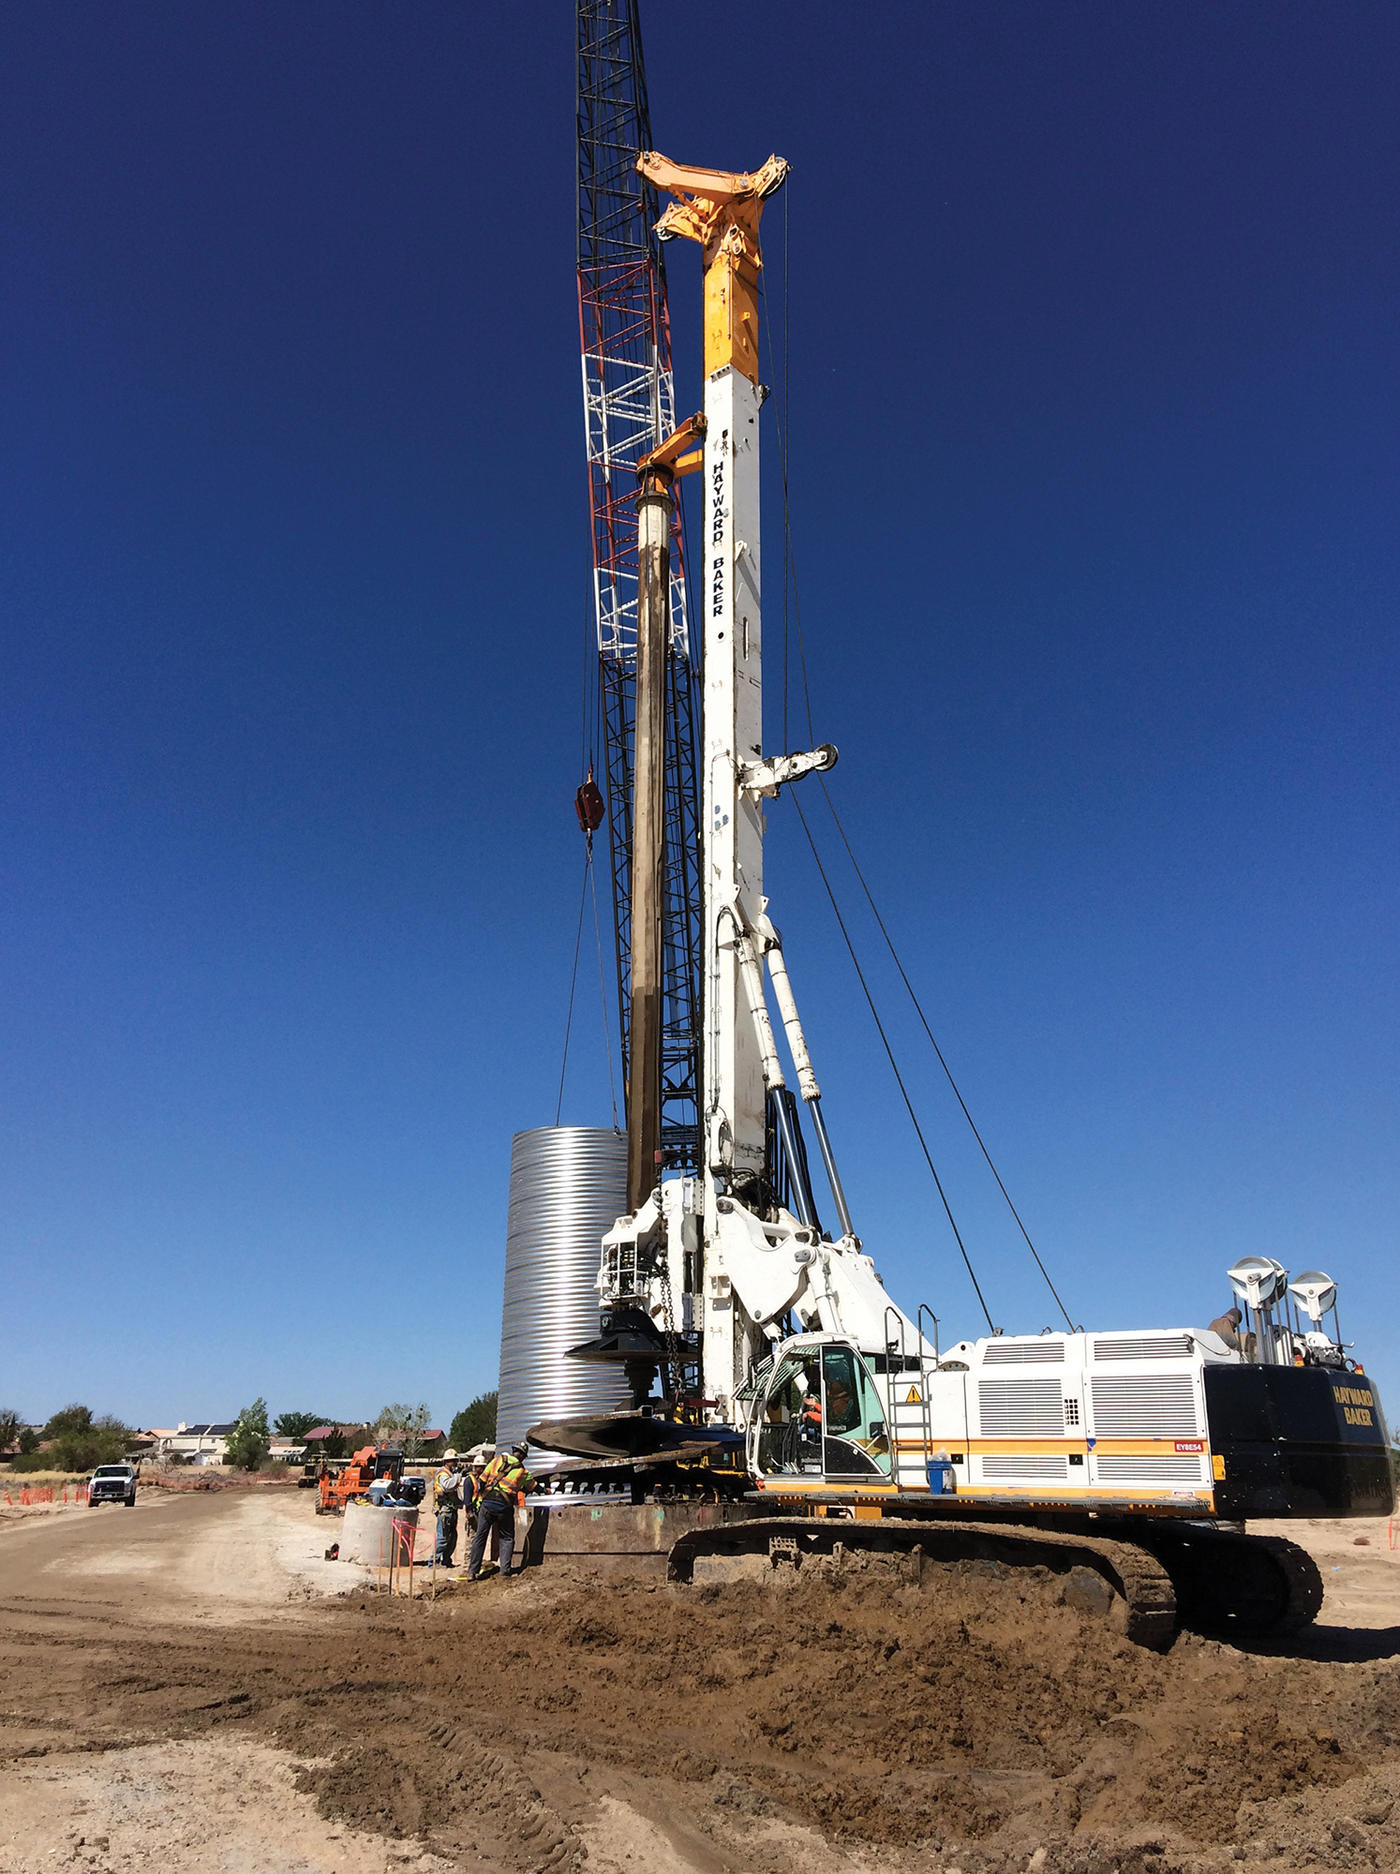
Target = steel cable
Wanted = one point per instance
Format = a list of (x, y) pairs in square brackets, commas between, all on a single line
[(603, 988), (573, 982), (933, 1043), (894, 1065), (792, 607)]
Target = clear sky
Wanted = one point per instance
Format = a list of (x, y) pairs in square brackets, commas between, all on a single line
[(1093, 404)]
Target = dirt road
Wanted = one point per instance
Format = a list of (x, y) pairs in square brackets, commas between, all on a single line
[(180, 1692)]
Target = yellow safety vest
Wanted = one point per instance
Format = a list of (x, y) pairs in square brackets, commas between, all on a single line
[(506, 1477)]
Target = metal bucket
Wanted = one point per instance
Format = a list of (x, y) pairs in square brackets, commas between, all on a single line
[(568, 1186)]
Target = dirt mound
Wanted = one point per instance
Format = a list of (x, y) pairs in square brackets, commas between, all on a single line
[(975, 1718), (206, 1477), (976, 1721)]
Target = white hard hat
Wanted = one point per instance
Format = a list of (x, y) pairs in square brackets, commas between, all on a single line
[(449, 1453)]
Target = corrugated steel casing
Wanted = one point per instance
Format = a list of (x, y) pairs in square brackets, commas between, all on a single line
[(568, 1186)]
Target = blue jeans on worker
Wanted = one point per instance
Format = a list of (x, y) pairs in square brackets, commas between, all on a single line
[(447, 1535), (493, 1513)]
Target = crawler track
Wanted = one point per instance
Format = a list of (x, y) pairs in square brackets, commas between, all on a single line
[(1144, 1602), (1228, 1581)]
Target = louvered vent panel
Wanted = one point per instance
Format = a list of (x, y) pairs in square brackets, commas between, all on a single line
[(1158, 1405), (1021, 1408), (1035, 1469), (1142, 1347), (1024, 1353), (1147, 1469)]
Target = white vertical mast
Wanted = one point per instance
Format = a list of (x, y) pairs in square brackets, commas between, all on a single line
[(756, 1260), (731, 816), (721, 211)]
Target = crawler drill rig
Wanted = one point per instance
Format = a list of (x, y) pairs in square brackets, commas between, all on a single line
[(820, 1414)]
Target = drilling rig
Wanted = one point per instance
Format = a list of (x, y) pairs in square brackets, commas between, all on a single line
[(803, 1411)]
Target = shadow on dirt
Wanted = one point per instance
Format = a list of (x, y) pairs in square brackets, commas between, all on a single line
[(1331, 1645)]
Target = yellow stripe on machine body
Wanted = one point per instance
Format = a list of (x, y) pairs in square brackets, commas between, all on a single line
[(817, 1491)]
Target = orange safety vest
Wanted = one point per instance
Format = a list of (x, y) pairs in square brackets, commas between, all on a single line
[(506, 1477)]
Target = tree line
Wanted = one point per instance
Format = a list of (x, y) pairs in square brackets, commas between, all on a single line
[(76, 1440)]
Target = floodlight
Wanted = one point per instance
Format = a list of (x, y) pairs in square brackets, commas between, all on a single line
[(1259, 1281), (1315, 1291)]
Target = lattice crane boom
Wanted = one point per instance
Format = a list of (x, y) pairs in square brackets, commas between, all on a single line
[(629, 408)]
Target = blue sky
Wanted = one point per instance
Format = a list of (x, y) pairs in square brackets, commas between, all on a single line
[(1092, 399)]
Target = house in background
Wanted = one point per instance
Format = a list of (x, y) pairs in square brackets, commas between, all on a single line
[(195, 1444), (335, 1440)]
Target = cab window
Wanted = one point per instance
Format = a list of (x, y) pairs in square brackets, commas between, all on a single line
[(823, 1417), (789, 1439), (856, 1442)]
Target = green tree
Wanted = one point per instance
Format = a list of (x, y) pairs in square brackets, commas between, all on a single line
[(402, 1425), (340, 1444), (248, 1441), (11, 1425), (297, 1424), (76, 1441), (28, 1440), (72, 1421), (474, 1424), (81, 1441)]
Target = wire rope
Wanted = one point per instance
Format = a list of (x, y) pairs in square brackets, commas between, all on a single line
[(790, 598), (894, 1065), (590, 679), (942, 1062), (792, 610), (603, 987), (782, 450), (573, 983)]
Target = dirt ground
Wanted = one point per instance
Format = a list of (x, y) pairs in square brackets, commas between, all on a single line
[(189, 1685)]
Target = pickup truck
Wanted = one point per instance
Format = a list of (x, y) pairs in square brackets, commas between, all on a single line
[(112, 1483)]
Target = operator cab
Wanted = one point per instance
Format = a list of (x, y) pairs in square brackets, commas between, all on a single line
[(816, 1413)]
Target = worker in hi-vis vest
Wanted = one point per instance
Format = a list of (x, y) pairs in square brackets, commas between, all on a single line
[(504, 1486), (447, 1501)]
